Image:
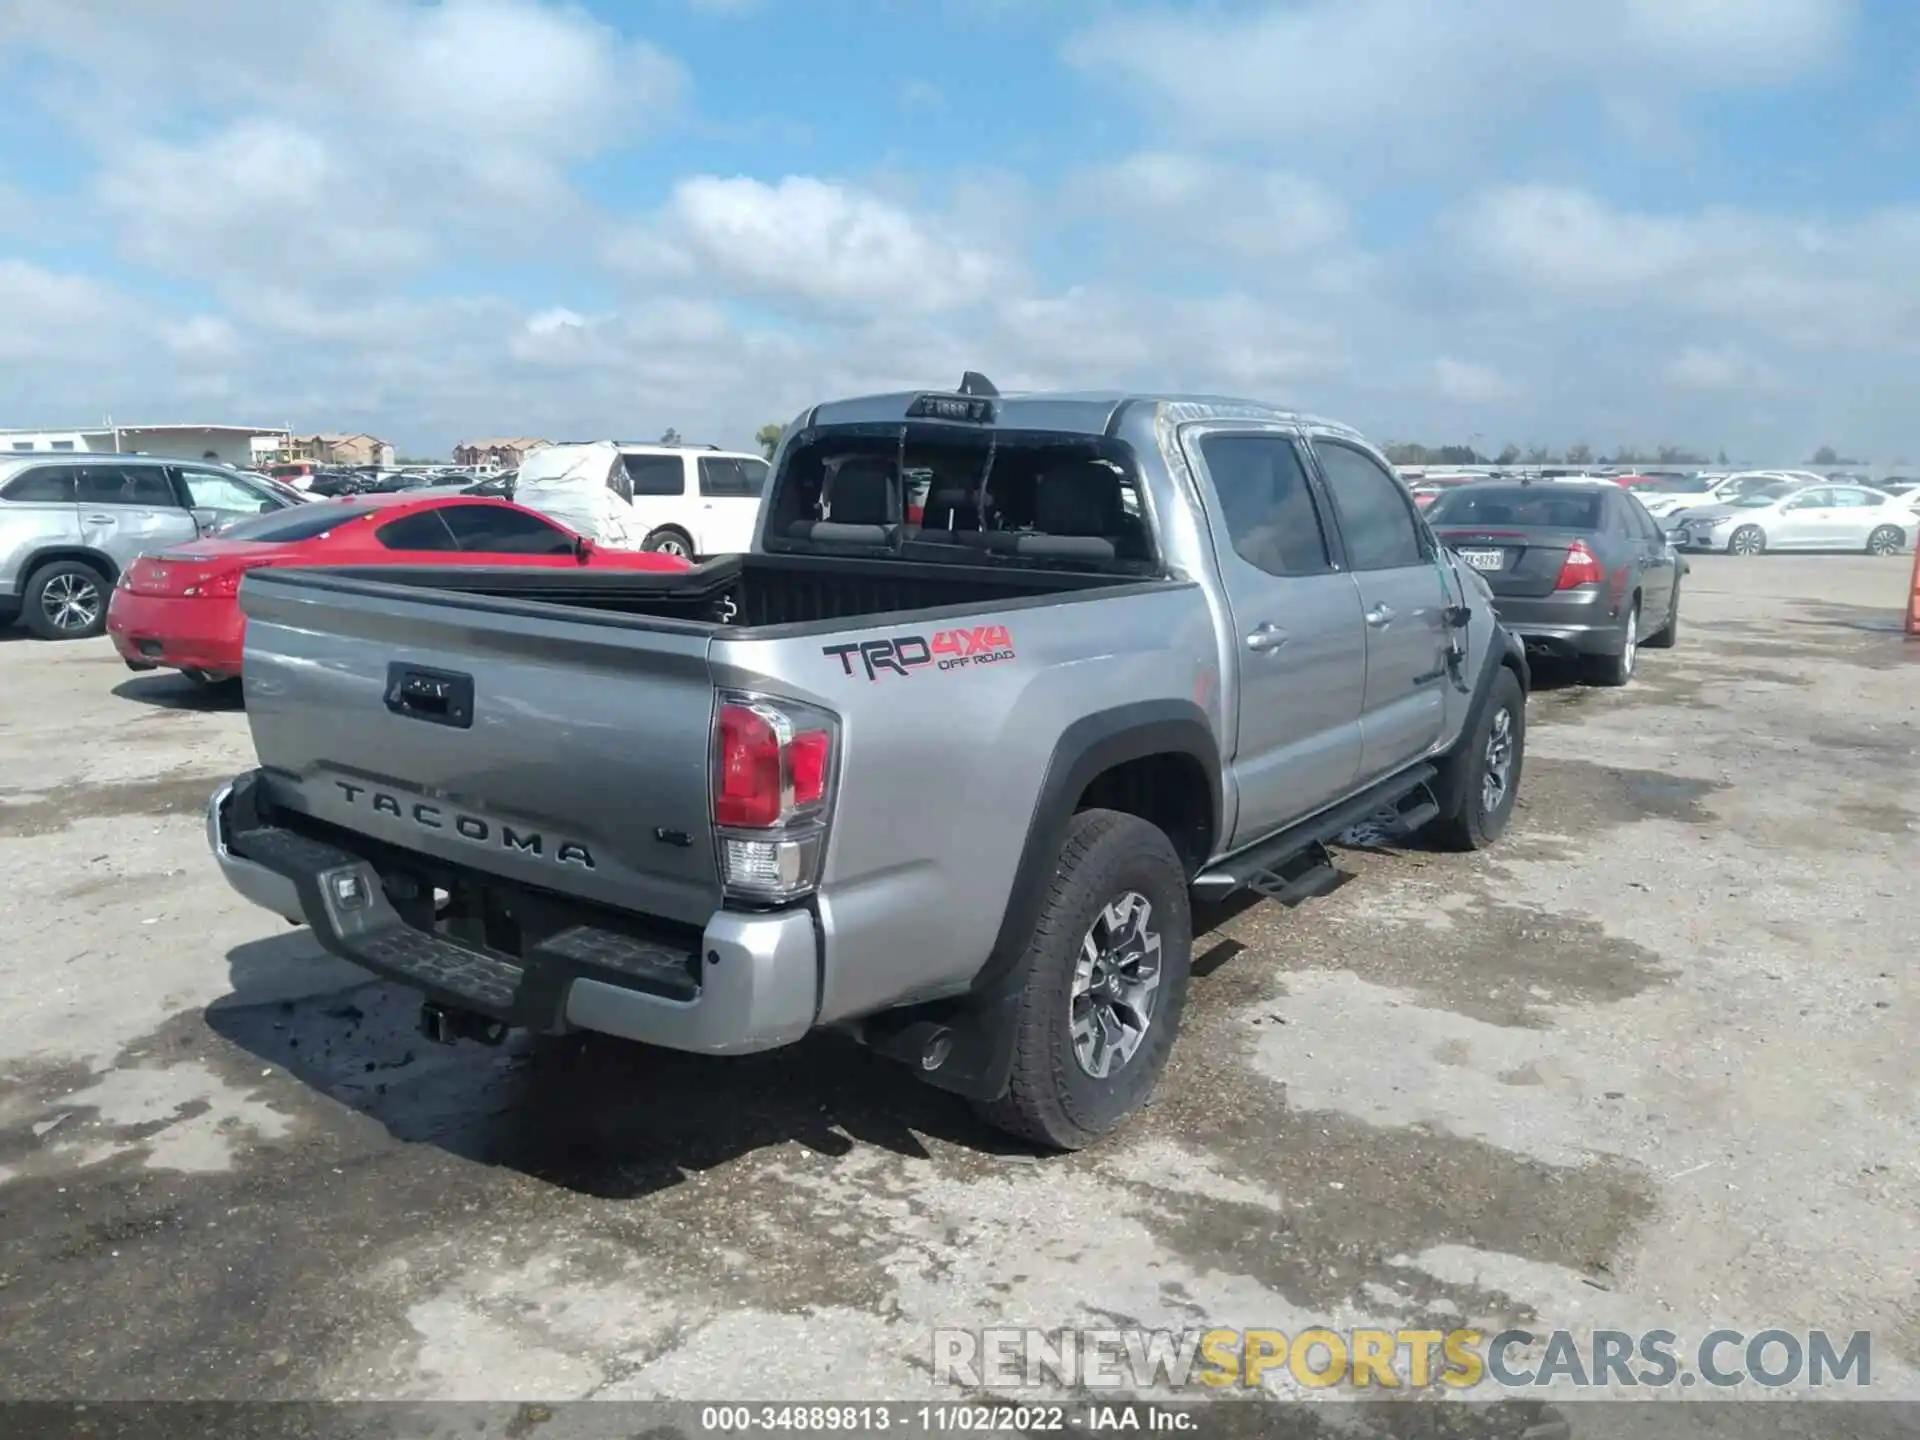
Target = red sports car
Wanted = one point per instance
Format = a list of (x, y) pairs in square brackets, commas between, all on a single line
[(180, 608)]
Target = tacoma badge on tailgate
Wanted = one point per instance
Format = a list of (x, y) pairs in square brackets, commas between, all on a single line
[(465, 824)]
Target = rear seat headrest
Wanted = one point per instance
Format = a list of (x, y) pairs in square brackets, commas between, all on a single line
[(865, 490), (1080, 499)]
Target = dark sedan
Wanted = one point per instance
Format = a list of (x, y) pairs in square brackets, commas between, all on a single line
[(1579, 571)]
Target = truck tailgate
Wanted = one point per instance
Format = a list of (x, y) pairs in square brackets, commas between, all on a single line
[(567, 750)]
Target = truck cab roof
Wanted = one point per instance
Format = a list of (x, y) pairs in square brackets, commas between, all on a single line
[(1074, 412)]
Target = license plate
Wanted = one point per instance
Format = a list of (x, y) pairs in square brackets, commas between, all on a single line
[(1484, 559)]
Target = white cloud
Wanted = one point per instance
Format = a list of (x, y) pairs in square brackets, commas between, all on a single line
[(1207, 205), (398, 133), (811, 244), (1469, 382), (1422, 72), (1720, 367), (1814, 285)]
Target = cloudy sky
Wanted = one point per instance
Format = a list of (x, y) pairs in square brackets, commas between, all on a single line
[(1613, 221)]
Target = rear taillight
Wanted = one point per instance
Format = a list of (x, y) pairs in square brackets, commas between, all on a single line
[(223, 585), (773, 776), (1582, 567)]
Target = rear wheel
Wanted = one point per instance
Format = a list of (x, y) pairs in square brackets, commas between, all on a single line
[(1669, 632), (66, 600), (669, 540), (1747, 540), (1886, 540), (1491, 759), (1618, 669), (1104, 984)]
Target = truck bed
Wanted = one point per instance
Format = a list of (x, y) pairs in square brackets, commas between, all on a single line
[(741, 591), (565, 740)]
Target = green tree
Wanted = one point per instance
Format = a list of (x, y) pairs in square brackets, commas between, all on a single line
[(1540, 455), (1581, 454), (1509, 455), (671, 437), (1405, 452), (767, 437), (1825, 455), (1722, 460)]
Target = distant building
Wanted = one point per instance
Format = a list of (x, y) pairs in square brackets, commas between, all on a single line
[(504, 453), (340, 450), (241, 445)]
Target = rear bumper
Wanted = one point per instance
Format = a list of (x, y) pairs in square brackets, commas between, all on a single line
[(1571, 622), (752, 983), (206, 635)]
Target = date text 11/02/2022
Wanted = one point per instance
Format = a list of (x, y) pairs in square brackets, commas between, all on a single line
[(942, 650), (935, 1419)]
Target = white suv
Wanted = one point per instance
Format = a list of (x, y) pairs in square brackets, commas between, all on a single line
[(693, 502)]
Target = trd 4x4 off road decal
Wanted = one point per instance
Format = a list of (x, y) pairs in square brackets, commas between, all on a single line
[(942, 650)]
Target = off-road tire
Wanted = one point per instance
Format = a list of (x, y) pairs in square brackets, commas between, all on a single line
[(1669, 634), (669, 540), (33, 610), (1472, 825), (1051, 1100)]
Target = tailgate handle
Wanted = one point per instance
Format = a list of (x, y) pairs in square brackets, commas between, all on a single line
[(440, 697)]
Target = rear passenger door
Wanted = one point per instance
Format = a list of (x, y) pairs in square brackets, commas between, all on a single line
[(1659, 563), (660, 499), (36, 511), (1298, 643), (730, 488), (1403, 599), (127, 509)]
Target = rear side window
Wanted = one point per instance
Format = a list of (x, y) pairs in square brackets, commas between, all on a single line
[(1376, 516), (304, 522), (49, 485), (422, 531), (727, 475), (656, 474), (1266, 504), (1544, 506), (125, 485), (499, 530)]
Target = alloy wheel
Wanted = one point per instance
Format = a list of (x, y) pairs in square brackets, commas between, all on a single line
[(1496, 772), (70, 602), (1115, 985)]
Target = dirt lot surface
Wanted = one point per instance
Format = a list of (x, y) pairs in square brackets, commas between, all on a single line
[(1649, 1065)]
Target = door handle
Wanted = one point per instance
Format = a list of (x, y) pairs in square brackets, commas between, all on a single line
[(1380, 616), (1266, 637), (101, 519)]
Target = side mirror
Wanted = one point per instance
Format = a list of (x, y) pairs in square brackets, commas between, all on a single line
[(582, 549), (206, 521)]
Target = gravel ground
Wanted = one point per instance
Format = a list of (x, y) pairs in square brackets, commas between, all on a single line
[(1646, 1066)]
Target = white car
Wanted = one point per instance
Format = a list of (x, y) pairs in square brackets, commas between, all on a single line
[(1724, 490), (1800, 517)]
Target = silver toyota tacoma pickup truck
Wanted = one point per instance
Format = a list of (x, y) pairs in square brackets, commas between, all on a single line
[(946, 775)]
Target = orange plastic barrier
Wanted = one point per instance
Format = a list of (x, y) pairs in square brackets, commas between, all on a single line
[(1913, 599)]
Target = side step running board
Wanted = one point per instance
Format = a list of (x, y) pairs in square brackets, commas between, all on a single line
[(1273, 866)]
